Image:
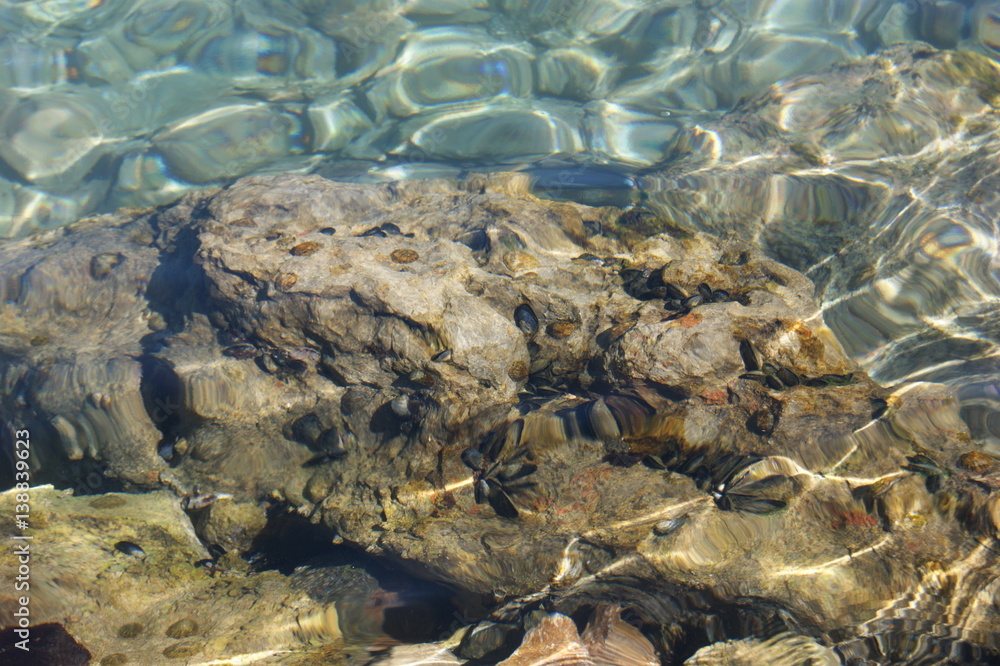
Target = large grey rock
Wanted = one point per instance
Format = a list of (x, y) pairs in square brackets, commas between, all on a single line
[(686, 462)]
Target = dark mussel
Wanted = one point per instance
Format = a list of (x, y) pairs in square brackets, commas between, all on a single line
[(668, 527), (879, 407), (733, 488), (476, 240), (831, 380), (129, 548), (751, 357), (500, 469), (693, 301), (787, 377), (647, 284), (329, 446), (240, 351), (751, 497), (442, 356), (526, 319), (772, 382), (933, 473)]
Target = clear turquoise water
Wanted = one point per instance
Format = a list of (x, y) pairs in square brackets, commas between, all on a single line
[(109, 103)]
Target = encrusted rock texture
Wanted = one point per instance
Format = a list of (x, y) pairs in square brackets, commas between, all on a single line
[(520, 398)]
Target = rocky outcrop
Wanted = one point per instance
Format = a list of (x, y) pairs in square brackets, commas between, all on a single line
[(526, 400)]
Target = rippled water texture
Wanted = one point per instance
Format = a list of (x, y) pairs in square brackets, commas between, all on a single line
[(124, 103)]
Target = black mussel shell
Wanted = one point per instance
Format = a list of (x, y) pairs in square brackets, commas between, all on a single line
[(526, 319), (722, 501), (643, 285), (500, 501), (720, 296), (655, 462), (879, 407), (129, 548), (441, 357), (689, 466), (682, 312), (476, 240), (787, 377), (510, 473), (481, 491), (374, 231), (474, 458), (390, 229), (705, 292), (751, 357), (758, 377), (240, 351), (925, 465), (675, 292), (756, 504), (331, 442), (693, 301), (668, 527), (838, 380), (772, 382), (307, 429), (506, 442), (632, 414)]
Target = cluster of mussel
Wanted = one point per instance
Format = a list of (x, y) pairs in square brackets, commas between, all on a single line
[(778, 377), (648, 284), (631, 431)]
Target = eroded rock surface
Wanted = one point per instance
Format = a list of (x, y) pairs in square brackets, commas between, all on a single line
[(879, 180), (529, 401)]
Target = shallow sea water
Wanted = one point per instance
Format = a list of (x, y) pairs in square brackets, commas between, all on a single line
[(130, 103), (122, 103)]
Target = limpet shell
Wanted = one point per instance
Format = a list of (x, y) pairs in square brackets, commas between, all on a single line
[(182, 628), (130, 630), (102, 264), (286, 280), (107, 502), (561, 329), (305, 249), (518, 371), (181, 650), (404, 256), (976, 461)]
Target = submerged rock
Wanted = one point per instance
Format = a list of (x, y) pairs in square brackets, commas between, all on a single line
[(879, 180), (115, 604), (657, 420)]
